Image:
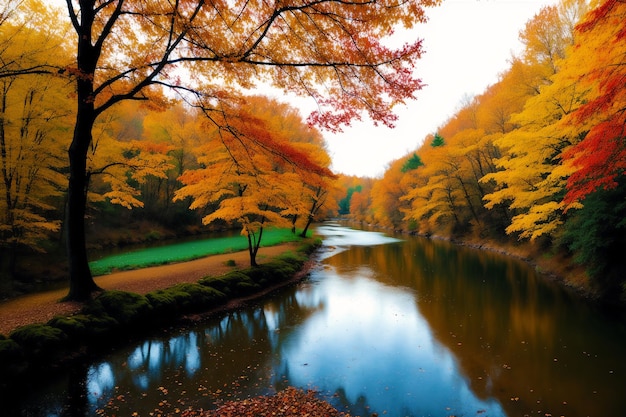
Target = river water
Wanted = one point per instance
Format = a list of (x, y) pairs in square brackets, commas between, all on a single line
[(395, 326)]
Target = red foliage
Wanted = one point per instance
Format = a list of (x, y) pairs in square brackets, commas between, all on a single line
[(601, 157)]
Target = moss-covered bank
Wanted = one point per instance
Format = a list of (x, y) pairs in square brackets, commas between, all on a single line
[(113, 317)]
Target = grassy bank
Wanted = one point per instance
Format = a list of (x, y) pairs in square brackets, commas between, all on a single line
[(117, 316), (186, 251)]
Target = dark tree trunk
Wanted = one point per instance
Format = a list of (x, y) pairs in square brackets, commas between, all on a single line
[(81, 280), (254, 243)]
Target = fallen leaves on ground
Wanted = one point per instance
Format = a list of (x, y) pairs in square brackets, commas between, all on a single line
[(290, 402)]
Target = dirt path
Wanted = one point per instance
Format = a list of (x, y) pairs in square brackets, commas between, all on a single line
[(41, 307)]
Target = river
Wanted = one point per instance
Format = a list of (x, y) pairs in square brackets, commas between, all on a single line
[(398, 326)]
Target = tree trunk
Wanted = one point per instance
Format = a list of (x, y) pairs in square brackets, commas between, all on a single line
[(253, 246), (81, 280)]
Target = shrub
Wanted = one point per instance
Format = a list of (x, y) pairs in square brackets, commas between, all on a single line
[(39, 338), (85, 326), (225, 284), (125, 307), (73, 326), (200, 296), (12, 359), (164, 302)]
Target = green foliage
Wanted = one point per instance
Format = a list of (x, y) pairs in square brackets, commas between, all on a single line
[(39, 338), (165, 302), (234, 284), (83, 327), (412, 163), (597, 236), (344, 203), (306, 249), (73, 326), (437, 141), (125, 307), (193, 296), (12, 359)]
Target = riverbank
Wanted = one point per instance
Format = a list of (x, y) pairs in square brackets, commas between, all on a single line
[(163, 299), (197, 289), (41, 307)]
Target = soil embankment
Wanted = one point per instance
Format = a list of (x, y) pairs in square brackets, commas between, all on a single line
[(41, 307)]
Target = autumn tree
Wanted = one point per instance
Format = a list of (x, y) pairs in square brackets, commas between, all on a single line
[(600, 159), (179, 127), (250, 169), (333, 51), (311, 196), (386, 205), (34, 118), (530, 177), (596, 188), (17, 22)]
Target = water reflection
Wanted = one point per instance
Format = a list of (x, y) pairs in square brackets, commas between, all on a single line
[(371, 345), (402, 328)]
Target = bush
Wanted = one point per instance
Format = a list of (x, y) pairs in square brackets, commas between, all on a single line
[(12, 359), (73, 326), (39, 338), (200, 296), (85, 326), (127, 308), (226, 284), (165, 302)]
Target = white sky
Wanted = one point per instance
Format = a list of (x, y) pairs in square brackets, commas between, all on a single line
[(468, 43)]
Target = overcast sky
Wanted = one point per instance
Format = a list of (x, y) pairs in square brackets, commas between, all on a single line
[(468, 43)]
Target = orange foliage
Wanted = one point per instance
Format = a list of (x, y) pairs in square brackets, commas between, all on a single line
[(601, 157)]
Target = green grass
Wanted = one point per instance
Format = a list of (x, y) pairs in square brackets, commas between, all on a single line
[(180, 252)]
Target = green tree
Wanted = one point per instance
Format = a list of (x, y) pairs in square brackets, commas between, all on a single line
[(596, 234), (437, 141), (412, 163)]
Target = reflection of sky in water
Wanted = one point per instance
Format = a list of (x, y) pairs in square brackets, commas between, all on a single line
[(364, 340), (100, 380), (370, 341), (338, 239)]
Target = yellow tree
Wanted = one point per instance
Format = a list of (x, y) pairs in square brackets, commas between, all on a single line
[(361, 202), (388, 209), (311, 196), (531, 177), (599, 160), (34, 118), (118, 162), (249, 170), (331, 50), (17, 55), (178, 127)]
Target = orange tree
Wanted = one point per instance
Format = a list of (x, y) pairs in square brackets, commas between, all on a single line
[(334, 51), (252, 169)]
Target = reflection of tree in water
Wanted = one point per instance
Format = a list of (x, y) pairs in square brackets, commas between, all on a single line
[(515, 336), (227, 358)]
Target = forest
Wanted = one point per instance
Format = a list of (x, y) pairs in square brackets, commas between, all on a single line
[(537, 159)]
